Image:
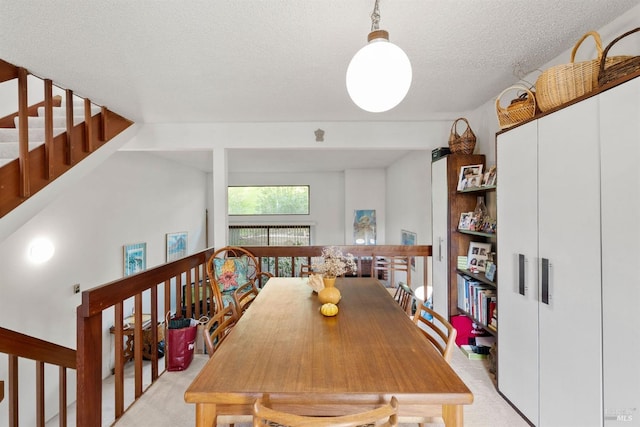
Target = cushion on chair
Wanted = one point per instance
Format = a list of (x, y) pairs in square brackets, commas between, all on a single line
[(231, 272)]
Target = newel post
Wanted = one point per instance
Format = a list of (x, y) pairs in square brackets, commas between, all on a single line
[(89, 368)]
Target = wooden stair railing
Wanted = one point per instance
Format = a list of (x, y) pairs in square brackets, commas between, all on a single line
[(185, 278), (35, 169), (16, 346)]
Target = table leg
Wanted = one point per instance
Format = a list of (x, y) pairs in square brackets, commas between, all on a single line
[(453, 415), (205, 415)]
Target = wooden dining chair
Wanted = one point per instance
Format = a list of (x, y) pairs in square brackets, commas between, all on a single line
[(436, 329), (219, 327), (404, 297), (385, 415), (230, 267), (305, 270), (215, 332), (244, 296), (387, 268), (442, 335)]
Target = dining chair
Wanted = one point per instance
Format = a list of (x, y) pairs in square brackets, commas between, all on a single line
[(436, 329), (215, 332), (305, 270), (230, 267), (404, 297), (386, 268), (219, 327), (384, 415), (244, 296), (442, 335)]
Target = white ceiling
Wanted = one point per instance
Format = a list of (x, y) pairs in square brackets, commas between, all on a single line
[(159, 61)]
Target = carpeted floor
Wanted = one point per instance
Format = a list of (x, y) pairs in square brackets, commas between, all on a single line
[(163, 404)]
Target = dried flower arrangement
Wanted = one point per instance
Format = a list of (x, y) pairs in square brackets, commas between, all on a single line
[(334, 263)]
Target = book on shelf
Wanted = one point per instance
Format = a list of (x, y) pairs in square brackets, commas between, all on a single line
[(477, 299)]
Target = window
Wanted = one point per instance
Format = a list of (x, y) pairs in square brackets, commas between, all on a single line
[(273, 235), (269, 235), (268, 200)]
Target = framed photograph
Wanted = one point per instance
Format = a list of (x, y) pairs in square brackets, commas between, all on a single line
[(470, 176), (489, 179), (176, 245), (490, 274), (478, 255), (409, 238), (465, 220), (135, 258)]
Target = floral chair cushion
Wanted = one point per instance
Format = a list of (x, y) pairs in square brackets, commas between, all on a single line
[(231, 273)]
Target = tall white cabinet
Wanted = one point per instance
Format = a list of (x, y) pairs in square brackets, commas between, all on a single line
[(620, 182), (440, 245), (560, 200)]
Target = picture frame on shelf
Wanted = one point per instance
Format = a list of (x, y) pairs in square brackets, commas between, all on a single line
[(489, 179), (477, 256), (465, 220), (470, 177), (490, 272)]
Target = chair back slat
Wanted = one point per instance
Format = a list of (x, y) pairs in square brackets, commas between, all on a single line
[(436, 329), (385, 415)]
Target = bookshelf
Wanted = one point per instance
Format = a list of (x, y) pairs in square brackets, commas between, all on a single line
[(476, 294)]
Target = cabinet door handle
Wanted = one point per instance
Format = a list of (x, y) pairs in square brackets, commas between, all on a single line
[(521, 287), (439, 248), (545, 281)]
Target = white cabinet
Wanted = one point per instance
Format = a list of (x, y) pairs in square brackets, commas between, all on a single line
[(620, 187), (548, 209), (440, 245)]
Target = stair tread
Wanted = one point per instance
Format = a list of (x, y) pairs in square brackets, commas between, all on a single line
[(35, 134), (58, 121), (78, 110)]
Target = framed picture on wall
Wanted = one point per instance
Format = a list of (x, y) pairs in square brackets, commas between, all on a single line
[(135, 258), (364, 227), (409, 238), (176, 245)]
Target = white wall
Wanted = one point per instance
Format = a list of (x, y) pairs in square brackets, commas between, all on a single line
[(132, 197)]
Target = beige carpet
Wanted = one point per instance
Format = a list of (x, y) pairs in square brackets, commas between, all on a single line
[(163, 404)]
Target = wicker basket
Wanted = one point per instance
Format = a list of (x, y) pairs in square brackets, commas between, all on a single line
[(461, 144), (520, 109), (619, 69), (563, 83)]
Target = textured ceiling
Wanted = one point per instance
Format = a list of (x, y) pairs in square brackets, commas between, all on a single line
[(285, 60)]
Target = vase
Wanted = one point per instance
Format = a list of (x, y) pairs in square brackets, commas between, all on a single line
[(329, 293), (480, 214)]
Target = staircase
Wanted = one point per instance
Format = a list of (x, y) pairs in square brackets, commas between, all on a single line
[(39, 143)]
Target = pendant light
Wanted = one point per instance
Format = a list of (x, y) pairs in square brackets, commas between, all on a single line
[(379, 75)]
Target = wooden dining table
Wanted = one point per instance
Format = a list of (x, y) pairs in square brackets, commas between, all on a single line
[(285, 350)]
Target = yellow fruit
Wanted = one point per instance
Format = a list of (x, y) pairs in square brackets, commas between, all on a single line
[(329, 309)]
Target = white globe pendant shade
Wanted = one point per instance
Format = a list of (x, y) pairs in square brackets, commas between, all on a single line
[(379, 75)]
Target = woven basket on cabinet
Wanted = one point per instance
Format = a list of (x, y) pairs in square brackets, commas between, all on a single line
[(520, 109), (563, 83), (462, 144), (619, 69)]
